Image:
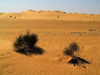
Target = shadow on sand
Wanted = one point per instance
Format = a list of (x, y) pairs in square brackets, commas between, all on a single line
[(78, 61), (35, 50)]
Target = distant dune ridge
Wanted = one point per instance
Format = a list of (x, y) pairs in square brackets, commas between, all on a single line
[(55, 11), (42, 11), (51, 15), (28, 11)]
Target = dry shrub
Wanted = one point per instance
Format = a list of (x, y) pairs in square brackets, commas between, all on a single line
[(71, 49), (25, 44)]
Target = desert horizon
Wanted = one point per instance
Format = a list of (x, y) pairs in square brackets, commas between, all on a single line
[(53, 15), (55, 31), (52, 11)]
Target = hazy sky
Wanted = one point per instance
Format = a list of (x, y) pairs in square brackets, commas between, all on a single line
[(68, 6)]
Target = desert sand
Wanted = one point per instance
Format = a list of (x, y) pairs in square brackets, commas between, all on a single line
[(55, 30)]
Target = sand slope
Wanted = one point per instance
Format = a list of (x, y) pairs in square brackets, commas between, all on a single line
[(1, 13), (53, 36)]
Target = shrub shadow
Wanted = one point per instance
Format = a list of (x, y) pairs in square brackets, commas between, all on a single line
[(78, 61), (35, 50)]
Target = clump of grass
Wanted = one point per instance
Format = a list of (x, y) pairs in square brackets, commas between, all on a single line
[(25, 43), (58, 16), (71, 49), (14, 17)]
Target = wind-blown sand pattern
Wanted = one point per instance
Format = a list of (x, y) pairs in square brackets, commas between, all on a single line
[(54, 34)]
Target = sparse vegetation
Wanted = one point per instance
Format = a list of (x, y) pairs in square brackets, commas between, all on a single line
[(71, 49), (25, 44), (58, 16), (14, 17)]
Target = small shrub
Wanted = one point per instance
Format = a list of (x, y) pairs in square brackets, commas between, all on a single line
[(71, 49), (58, 16), (14, 17), (10, 16), (75, 60), (26, 43)]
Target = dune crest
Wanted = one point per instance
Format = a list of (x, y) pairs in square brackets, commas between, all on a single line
[(30, 11), (42, 11), (56, 11)]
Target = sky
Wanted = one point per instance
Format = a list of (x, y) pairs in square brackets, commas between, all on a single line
[(68, 6)]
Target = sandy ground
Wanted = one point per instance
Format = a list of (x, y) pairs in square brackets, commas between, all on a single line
[(54, 34)]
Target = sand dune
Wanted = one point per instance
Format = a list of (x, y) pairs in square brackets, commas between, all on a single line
[(51, 15), (54, 34), (55, 11)]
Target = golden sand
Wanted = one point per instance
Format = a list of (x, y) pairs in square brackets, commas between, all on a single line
[(54, 34)]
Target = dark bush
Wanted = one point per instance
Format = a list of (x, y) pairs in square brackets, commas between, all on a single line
[(26, 43), (73, 46), (71, 49), (10, 16)]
